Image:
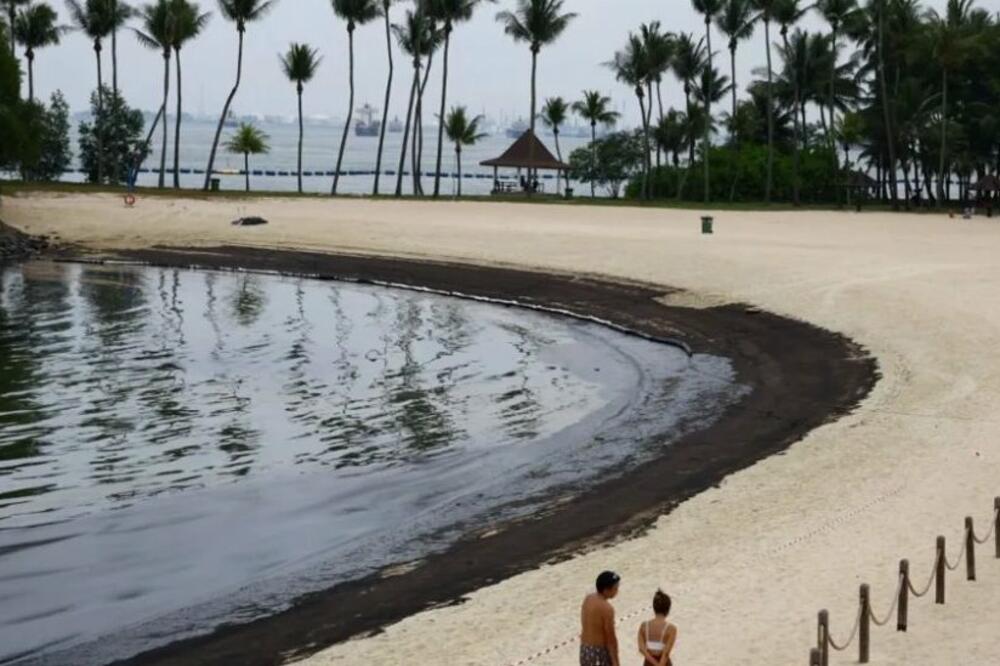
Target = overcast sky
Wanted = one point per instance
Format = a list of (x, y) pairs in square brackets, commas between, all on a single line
[(489, 72)]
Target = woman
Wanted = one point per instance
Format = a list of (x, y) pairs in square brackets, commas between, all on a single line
[(657, 636)]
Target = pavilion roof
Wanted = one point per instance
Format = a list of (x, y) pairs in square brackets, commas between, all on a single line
[(528, 152)]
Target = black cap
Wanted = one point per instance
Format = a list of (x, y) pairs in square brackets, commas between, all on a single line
[(607, 580)]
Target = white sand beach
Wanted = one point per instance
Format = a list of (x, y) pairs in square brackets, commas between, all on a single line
[(751, 562)]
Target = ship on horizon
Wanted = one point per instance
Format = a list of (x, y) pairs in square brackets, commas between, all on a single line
[(367, 126)]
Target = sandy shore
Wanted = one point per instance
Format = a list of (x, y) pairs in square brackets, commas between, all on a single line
[(751, 562)]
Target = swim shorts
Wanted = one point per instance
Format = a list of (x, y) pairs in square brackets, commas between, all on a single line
[(591, 655)]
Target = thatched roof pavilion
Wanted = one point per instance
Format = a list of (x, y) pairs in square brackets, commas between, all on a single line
[(528, 152)]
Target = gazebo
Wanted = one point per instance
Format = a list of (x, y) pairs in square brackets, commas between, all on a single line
[(861, 185), (986, 192), (528, 152)]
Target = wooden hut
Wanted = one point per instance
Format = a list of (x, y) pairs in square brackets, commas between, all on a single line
[(527, 153)]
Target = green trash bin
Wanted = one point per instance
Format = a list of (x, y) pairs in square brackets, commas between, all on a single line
[(214, 184), (707, 224)]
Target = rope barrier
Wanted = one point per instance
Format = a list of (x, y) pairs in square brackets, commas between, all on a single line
[(989, 535), (930, 583), (958, 561), (892, 609), (854, 634)]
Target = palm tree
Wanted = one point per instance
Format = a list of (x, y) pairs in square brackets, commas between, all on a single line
[(300, 64), (248, 141), (119, 13), (35, 28), (659, 49), (416, 37), (462, 132), (837, 13), (435, 35), (386, 6), (765, 12), (689, 63), (95, 21), (554, 113), (188, 24), (594, 109), (11, 6), (537, 23), (735, 21), (355, 12), (158, 34), (630, 66), (448, 13), (240, 12), (787, 13), (709, 9)]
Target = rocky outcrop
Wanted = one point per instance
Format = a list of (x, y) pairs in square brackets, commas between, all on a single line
[(15, 244)]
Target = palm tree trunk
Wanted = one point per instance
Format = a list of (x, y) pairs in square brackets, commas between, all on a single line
[(732, 119), (770, 115), (833, 90), (177, 123), (891, 168), (944, 136), (555, 133), (593, 157), (534, 112), (444, 95), (418, 130), (225, 112), (645, 139), (98, 127), (388, 96), (795, 124), (406, 129), (246, 169), (659, 101), (31, 75), (166, 95), (350, 108), (11, 17), (458, 164), (301, 135), (708, 110), (114, 59)]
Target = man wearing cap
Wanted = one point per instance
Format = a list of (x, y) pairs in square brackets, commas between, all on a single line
[(598, 643)]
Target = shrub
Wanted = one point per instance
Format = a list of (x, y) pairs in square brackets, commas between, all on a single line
[(120, 129)]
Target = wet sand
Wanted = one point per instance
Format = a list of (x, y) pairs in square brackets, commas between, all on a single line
[(749, 562)]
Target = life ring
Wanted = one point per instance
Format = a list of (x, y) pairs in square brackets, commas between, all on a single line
[(129, 199)]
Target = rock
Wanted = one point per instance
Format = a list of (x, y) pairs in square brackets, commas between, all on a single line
[(249, 222)]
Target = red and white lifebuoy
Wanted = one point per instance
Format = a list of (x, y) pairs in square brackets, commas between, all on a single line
[(129, 199)]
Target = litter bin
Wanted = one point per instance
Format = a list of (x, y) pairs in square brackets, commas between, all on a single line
[(707, 223), (214, 184), (569, 192)]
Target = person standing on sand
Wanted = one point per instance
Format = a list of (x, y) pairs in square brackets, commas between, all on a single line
[(598, 643), (657, 636)]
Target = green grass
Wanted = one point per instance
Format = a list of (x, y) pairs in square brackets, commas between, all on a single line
[(21, 187)]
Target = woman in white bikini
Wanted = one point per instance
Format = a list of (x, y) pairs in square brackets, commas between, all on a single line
[(657, 636)]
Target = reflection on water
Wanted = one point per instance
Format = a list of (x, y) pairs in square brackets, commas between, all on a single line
[(181, 448)]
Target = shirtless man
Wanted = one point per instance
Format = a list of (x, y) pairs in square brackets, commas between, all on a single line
[(598, 643)]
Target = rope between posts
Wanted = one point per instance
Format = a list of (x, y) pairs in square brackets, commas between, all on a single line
[(892, 609), (958, 560), (930, 582), (854, 633), (989, 535)]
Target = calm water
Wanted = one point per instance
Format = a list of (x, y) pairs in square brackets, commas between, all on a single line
[(320, 154), (183, 448)]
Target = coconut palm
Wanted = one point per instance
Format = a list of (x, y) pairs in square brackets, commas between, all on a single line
[(837, 13), (554, 113), (630, 66), (158, 34), (787, 13), (386, 6), (436, 36), (96, 21), (248, 141), (11, 7), (118, 14), (735, 21), (709, 9), (447, 13), (688, 64), (417, 36), (188, 24), (240, 12), (594, 109), (35, 28), (300, 65), (355, 12), (462, 132), (765, 14), (537, 23)]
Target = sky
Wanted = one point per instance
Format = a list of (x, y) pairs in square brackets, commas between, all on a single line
[(489, 73)]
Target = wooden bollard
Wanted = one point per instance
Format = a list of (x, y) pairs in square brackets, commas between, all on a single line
[(996, 525), (970, 549), (814, 657), (941, 568), (864, 633), (823, 638), (904, 596)]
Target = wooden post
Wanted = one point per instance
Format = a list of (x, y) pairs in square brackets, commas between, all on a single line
[(941, 567), (814, 657), (864, 635), (824, 638), (996, 518), (904, 595), (970, 550)]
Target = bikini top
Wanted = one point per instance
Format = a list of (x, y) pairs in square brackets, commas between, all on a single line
[(656, 646)]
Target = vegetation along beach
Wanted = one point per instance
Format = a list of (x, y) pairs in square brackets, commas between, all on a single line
[(372, 331)]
